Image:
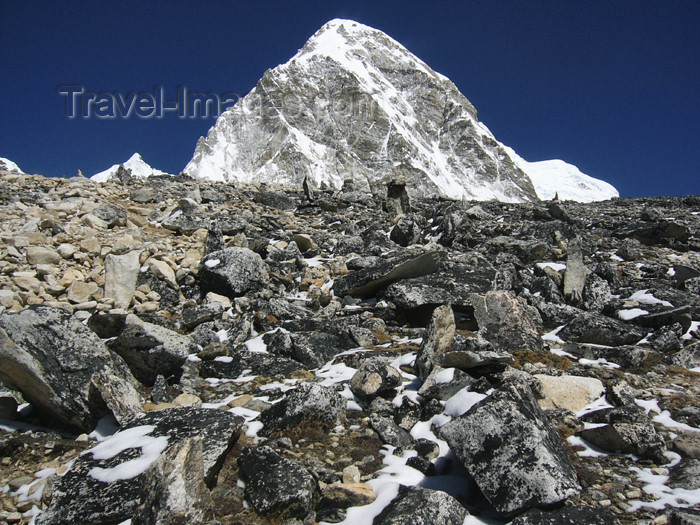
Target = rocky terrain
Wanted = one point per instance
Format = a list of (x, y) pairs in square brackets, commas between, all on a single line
[(269, 355)]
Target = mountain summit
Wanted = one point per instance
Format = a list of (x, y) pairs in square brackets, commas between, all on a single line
[(135, 165), (353, 103)]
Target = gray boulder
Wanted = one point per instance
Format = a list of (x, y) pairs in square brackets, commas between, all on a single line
[(589, 327), (232, 272), (308, 402), (121, 274), (174, 491), (389, 432), (52, 359), (437, 340), (507, 321), (443, 383), (510, 449), (150, 350), (575, 275), (374, 377), (276, 485), (97, 489), (421, 506), (365, 282)]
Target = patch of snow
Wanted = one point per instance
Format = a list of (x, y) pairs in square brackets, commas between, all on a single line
[(643, 297), (552, 337), (136, 437), (632, 313), (212, 263), (558, 267), (445, 376)]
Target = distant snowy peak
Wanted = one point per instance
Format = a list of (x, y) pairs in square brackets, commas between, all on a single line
[(8, 165), (136, 165), (558, 178), (353, 103)]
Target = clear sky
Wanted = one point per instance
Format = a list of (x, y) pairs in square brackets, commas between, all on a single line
[(610, 86)]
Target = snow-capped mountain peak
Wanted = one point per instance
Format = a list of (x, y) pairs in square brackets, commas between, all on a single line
[(136, 165), (8, 165), (354, 103)]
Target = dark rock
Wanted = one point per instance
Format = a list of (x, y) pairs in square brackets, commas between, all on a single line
[(389, 432), (684, 517), (94, 490), (150, 350), (507, 321), (596, 294), (689, 357), (257, 363), (451, 285), (276, 485), (620, 393), (112, 215), (680, 315), (421, 506), (597, 329), (184, 219), (232, 272), (196, 315), (397, 199), (364, 283), (107, 325), (686, 475), (308, 402), (443, 383), (51, 358), (422, 465), (373, 378), (574, 515), (427, 449), (405, 232), (142, 195), (632, 438), (508, 446)]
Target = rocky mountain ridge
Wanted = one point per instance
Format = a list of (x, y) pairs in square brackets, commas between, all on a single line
[(354, 103), (274, 355)]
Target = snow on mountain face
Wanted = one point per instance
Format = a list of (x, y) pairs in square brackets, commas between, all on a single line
[(136, 165), (355, 104), (8, 165), (558, 178)]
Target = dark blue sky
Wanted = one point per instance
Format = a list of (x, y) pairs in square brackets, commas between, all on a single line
[(613, 87)]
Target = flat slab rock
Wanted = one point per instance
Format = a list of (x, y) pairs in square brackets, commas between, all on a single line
[(105, 484), (567, 516), (510, 449), (421, 506)]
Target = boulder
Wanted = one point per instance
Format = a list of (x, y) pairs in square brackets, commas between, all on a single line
[(437, 339), (422, 506), (232, 272), (41, 255), (507, 321), (508, 446), (405, 232), (105, 484), (276, 485), (308, 402), (52, 358), (121, 274), (174, 491), (575, 275), (257, 363), (389, 432), (589, 327), (574, 515), (443, 383), (374, 377), (150, 350), (366, 282), (569, 392), (638, 438), (111, 215)]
